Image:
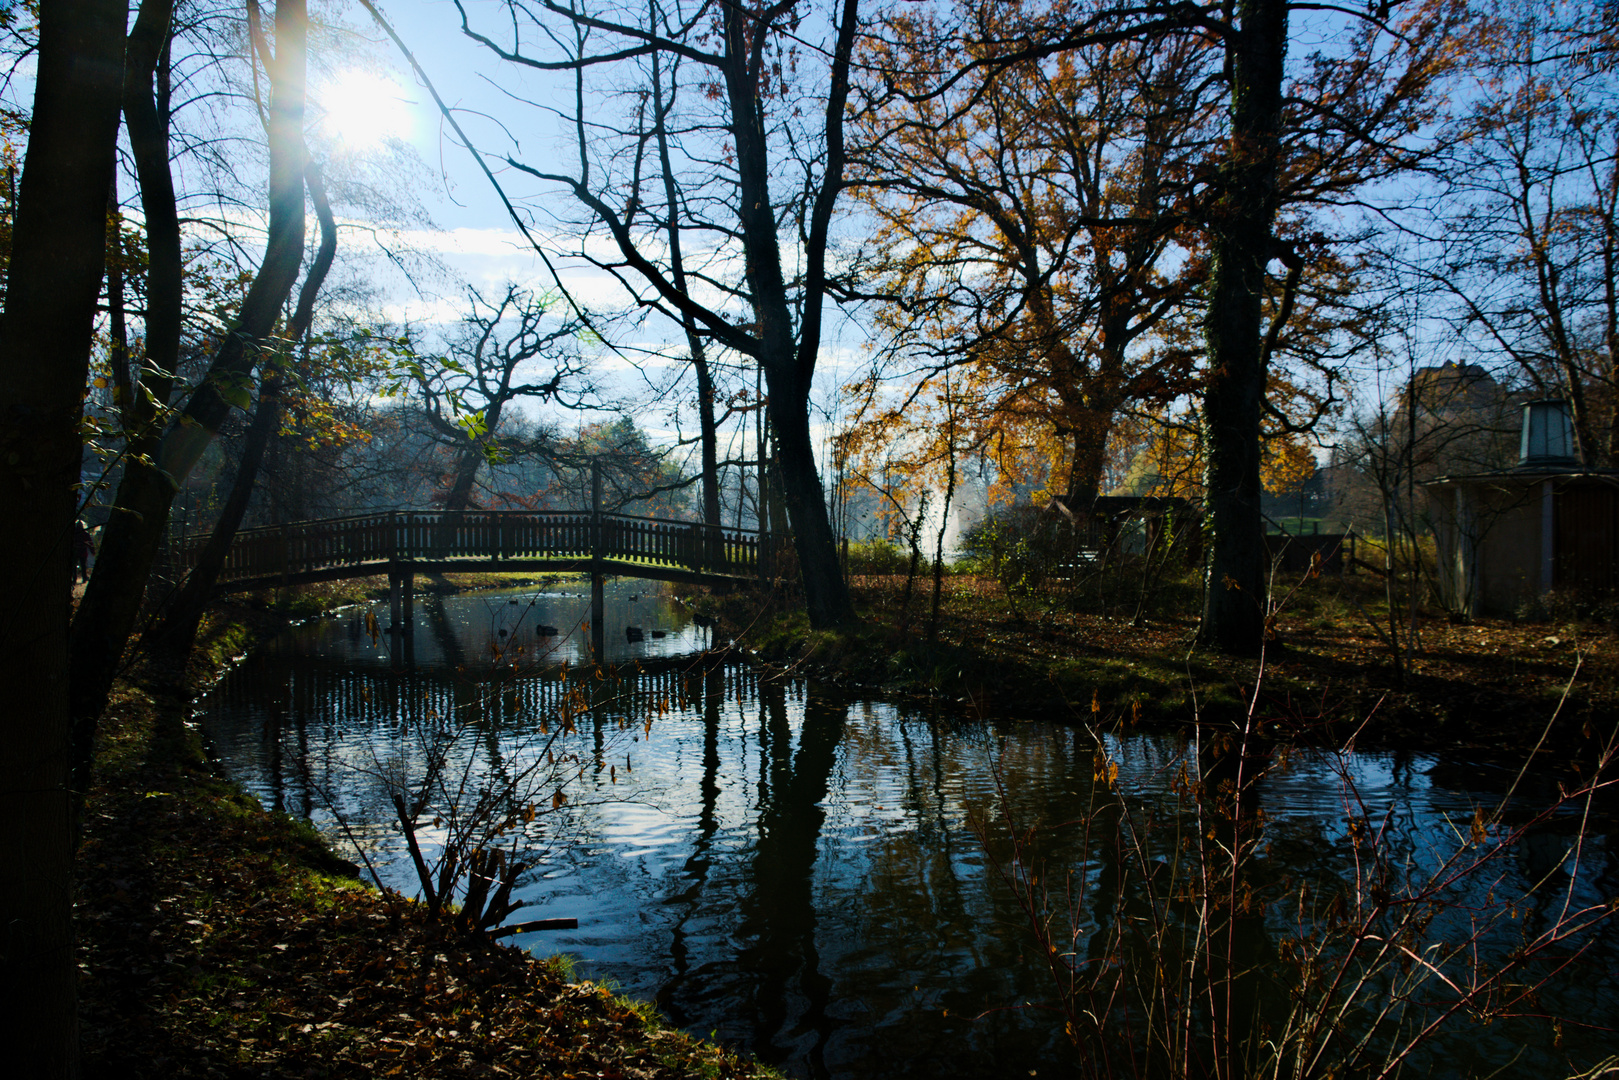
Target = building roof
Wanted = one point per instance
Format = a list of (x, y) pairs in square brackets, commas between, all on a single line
[(1528, 476)]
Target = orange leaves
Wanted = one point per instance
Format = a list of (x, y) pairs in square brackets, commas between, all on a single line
[(1104, 770)]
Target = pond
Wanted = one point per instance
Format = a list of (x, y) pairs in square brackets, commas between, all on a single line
[(822, 880)]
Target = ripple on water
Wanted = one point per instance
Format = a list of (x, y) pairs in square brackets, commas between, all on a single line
[(796, 872)]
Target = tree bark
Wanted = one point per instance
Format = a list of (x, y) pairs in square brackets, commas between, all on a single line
[(178, 631), (1089, 447), (146, 115), (1243, 216), (469, 458), (789, 365), (112, 602), (57, 256), (824, 590)]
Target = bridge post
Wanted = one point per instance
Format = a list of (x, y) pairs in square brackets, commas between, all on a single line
[(394, 599), (401, 613), (407, 604), (598, 605)]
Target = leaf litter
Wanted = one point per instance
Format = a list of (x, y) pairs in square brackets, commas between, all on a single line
[(218, 940)]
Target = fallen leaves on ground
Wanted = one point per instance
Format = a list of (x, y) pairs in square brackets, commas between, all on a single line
[(1479, 687), (210, 947)]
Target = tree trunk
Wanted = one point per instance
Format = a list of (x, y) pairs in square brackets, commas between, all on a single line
[(468, 459), (824, 590), (944, 521), (788, 365), (178, 630), (1090, 458), (57, 255), (1241, 246), (112, 602), (146, 115), (707, 432)]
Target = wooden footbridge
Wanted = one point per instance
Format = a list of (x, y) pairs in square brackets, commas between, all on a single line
[(404, 543)]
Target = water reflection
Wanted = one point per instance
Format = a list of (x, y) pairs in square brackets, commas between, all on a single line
[(798, 872), (522, 626)]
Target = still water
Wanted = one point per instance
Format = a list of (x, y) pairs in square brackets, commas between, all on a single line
[(818, 879)]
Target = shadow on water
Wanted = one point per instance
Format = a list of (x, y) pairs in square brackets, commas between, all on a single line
[(776, 917), (797, 872)]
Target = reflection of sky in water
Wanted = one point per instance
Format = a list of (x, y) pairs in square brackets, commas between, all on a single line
[(800, 873), (514, 625)]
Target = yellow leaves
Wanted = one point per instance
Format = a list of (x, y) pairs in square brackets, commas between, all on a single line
[(1104, 770), (1287, 461), (1355, 828), (559, 800)]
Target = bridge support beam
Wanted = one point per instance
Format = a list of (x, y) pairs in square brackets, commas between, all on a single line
[(598, 606), (598, 617), (407, 604), (393, 601), (401, 614)]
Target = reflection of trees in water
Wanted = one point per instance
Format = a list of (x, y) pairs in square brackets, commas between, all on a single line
[(694, 873), (776, 912), (799, 913)]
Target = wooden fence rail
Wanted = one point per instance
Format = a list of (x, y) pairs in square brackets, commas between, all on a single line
[(404, 537)]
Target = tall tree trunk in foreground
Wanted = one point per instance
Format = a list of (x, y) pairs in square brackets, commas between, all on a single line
[(178, 630), (825, 592), (1241, 245), (57, 255), (789, 365), (129, 546)]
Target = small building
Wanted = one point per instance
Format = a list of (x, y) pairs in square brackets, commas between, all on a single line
[(1509, 537)]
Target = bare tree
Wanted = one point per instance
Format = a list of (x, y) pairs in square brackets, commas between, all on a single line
[(488, 366), (1526, 221), (761, 172)]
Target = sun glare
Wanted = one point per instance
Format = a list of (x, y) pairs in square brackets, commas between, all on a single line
[(363, 108)]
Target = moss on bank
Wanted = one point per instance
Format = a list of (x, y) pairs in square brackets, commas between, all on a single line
[(217, 939)]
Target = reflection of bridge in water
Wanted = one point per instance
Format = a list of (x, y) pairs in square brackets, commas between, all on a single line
[(404, 543)]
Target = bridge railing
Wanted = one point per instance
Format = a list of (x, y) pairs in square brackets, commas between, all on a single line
[(492, 535)]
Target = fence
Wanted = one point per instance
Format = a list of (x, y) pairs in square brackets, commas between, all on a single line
[(494, 536)]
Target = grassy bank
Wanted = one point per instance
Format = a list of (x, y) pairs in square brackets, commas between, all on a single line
[(1482, 687), (216, 939)]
